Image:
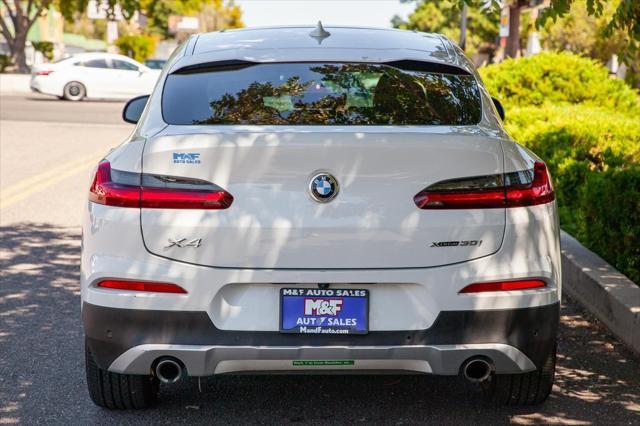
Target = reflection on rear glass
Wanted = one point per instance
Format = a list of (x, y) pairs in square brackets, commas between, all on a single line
[(321, 94)]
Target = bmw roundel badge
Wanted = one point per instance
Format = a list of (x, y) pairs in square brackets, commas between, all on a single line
[(323, 187)]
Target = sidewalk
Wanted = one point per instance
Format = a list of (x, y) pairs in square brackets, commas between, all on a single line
[(14, 84), (606, 293)]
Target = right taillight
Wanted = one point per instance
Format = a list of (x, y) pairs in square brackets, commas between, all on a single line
[(538, 191), (126, 189), (517, 189)]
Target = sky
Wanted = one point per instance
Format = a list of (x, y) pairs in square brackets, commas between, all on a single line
[(370, 13)]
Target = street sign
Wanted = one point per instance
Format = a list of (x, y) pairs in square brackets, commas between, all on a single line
[(504, 22)]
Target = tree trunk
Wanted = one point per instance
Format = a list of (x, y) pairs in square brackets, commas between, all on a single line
[(19, 55), (513, 40), (22, 20)]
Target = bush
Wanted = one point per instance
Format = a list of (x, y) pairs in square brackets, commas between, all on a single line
[(593, 155), (610, 203), (558, 78), (138, 47), (5, 61), (44, 47)]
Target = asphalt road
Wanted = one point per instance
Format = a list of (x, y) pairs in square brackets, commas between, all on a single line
[(35, 107), (47, 150)]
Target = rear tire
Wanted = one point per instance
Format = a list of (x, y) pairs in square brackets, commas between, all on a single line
[(119, 391), (74, 91), (521, 389)]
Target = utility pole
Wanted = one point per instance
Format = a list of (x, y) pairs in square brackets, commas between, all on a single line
[(463, 27)]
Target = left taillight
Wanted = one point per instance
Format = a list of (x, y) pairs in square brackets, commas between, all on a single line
[(147, 286), (104, 190), (516, 189), (126, 189)]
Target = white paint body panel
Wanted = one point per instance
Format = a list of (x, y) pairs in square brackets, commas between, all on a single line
[(372, 223), (247, 299)]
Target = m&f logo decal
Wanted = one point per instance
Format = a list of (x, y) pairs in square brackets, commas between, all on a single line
[(186, 158), (322, 306)]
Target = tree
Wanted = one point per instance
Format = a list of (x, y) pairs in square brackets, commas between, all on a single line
[(587, 35), (22, 15), (582, 33), (215, 14), (444, 17), (626, 18), (513, 39)]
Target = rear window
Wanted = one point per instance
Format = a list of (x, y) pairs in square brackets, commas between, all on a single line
[(123, 65), (321, 94)]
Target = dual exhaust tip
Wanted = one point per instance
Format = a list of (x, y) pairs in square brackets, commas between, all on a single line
[(477, 369), (169, 370)]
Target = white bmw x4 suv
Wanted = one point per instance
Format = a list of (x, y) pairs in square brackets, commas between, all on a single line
[(303, 199)]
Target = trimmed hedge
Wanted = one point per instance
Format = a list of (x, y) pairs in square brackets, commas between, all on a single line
[(593, 155), (558, 78), (611, 210), (586, 127)]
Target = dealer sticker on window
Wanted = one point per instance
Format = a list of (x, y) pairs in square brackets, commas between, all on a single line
[(324, 311)]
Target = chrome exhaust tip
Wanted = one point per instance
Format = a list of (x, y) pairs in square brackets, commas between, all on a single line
[(169, 370), (477, 370)]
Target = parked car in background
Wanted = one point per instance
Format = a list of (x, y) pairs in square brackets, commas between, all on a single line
[(155, 64), (94, 75)]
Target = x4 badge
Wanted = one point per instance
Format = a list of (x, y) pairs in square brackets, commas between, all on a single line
[(183, 242)]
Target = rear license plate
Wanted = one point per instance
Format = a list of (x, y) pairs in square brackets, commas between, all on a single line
[(324, 311)]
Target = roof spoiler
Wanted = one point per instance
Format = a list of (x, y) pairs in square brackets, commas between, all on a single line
[(406, 65)]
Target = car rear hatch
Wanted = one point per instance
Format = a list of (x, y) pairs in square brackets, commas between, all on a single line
[(273, 221), (263, 132)]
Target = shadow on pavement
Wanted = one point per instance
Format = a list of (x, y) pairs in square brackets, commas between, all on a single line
[(42, 367)]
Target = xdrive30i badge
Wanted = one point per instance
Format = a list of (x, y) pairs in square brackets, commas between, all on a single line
[(462, 243)]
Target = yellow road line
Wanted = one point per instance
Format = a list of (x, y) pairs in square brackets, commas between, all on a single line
[(29, 186), (47, 174)]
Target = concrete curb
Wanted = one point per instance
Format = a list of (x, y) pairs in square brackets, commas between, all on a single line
[(609, 295), (14, 84)]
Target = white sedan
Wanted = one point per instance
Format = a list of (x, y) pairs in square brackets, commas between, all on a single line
[(94, 75)]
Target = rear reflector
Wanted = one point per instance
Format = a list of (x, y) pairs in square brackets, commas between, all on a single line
[(142, 286), (503, 286), (43, 73), (173, 194), (518, 189)]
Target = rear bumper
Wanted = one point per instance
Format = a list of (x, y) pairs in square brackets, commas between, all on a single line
[(130, 340)]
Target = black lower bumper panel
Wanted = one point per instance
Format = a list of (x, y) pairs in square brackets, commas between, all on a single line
[(110, 332)]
